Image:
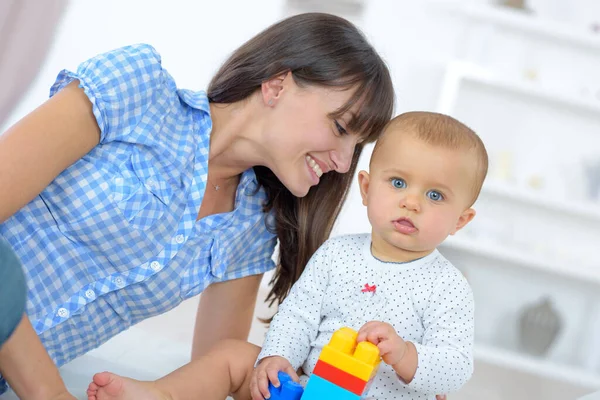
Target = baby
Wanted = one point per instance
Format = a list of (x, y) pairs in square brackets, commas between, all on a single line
[(392, 285)]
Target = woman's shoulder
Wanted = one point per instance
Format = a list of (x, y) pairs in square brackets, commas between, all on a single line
[(127, 87), (119, 73), (142, 56)]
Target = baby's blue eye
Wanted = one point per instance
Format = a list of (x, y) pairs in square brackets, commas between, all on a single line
[(435, 195), (398, 183)]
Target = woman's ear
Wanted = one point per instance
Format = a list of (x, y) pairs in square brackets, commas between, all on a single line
[(273, 88), (363, 184)]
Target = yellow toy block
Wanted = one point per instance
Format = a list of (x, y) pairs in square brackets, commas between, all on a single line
[(360, 360)]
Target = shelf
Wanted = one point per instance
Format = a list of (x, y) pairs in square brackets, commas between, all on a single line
[(532, 24), (458, 72), (535, 366), (533, 90), (587, 211), (527, 259)]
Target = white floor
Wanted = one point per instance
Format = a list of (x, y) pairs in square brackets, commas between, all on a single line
[(166, 346), (159, 345)]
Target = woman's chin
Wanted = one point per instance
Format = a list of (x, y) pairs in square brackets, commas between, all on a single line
[(298, 185), (299, 190)]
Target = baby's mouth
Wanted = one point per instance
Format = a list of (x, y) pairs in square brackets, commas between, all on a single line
[(404, 225), (405, 222)]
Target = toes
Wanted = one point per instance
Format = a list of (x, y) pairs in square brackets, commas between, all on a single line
[(92, 391), (102, 378)]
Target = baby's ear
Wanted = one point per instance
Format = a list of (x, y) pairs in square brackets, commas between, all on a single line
[(466, 217), (363, 184)]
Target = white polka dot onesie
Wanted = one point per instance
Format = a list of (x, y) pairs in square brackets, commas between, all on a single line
[(427, 301)]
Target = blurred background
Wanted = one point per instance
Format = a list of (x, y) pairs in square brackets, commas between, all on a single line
[(523, 73)]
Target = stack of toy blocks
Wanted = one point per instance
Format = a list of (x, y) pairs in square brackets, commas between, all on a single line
[(345, 369)]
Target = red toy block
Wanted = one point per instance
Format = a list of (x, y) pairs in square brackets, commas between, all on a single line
[(340, 378)]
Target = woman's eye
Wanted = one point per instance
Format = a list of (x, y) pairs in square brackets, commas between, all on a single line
[(398, 183), (435, 195), (340, 128)]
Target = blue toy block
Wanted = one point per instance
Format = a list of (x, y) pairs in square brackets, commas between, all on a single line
[(287, 390), (320, 389)]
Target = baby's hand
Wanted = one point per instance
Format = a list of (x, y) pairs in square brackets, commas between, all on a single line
[(267, 370), (392, 347)]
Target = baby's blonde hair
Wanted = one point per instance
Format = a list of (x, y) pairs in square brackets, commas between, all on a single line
[(444, 131)]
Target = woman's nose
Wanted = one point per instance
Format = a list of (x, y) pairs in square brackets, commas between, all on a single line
[(342, 157)]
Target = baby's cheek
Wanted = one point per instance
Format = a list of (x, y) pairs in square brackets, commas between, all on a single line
[(438, 228), (375, 215)]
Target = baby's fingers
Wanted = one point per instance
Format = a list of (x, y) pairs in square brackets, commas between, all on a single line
[(386, 347), (272, 373), (363, 332), (290, 371), (259, 388)]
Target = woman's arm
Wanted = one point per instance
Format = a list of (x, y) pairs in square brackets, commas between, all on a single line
[(41, 145), (28, 368), (225, 312), (32, 153)]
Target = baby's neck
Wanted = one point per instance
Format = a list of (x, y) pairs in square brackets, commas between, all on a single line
[(386, 252)]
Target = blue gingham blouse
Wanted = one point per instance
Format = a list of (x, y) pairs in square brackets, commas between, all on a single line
[(114, 238)]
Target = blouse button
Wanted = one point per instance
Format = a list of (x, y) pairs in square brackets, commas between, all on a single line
[(179, 239), (155, 265), (90, 294), (120, 282), (63, 312)]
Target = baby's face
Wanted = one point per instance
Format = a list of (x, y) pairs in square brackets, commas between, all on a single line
[(416, 195)]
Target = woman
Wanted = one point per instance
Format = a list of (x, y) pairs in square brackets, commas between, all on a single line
[(129, 195)]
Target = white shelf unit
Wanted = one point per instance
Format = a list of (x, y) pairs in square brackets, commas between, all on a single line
[(585, 273), (460, 78), (507, 359), (459, 72), (531, 24), (538, 367), (523, 21), (587, 211)]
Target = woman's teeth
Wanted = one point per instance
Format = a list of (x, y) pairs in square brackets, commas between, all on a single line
[(313, 164)]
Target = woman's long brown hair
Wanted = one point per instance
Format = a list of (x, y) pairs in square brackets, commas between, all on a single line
[(323, 50)]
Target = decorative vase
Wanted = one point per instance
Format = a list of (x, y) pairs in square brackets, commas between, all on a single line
[(539, 326)]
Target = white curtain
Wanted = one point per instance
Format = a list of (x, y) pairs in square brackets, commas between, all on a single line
[(26, 31)]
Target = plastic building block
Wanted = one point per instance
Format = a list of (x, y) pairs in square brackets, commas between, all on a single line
[(340, 378), (287, 390), (320, 389), (360, 360), (344, 370)]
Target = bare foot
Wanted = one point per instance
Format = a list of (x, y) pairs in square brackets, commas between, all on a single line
[(107, 386)]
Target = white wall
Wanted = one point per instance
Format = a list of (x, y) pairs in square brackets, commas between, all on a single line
[(193, 37)]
